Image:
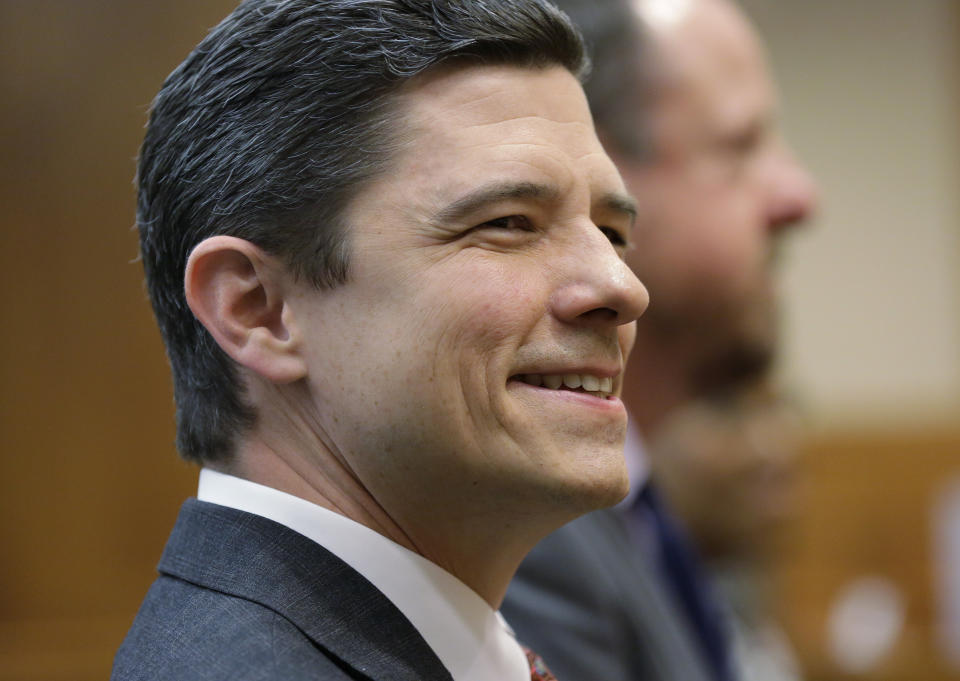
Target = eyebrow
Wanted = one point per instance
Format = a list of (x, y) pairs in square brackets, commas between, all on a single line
[(620, 203), (464, 206), (499, 191)]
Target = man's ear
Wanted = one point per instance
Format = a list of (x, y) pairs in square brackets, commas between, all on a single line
[(238, 293)]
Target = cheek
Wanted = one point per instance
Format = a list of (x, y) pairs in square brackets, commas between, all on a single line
[(468, 330), (729, 255), (704, 244), (497, 304)]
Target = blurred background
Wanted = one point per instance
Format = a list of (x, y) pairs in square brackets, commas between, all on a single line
[(868, 581)]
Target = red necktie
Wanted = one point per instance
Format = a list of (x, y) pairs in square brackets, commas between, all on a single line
[(538, 670)]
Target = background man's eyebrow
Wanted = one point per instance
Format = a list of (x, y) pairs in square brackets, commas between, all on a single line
[(620, 203), (500, 191)]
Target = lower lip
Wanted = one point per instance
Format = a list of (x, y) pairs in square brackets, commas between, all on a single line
[(610, 405)]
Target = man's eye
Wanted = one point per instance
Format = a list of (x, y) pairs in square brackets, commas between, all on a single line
[(510, 222), (616, 238)]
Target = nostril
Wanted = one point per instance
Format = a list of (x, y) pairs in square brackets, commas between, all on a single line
[(600, 314)]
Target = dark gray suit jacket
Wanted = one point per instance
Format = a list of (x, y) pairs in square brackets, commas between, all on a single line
[(242, 598), (590, 603)]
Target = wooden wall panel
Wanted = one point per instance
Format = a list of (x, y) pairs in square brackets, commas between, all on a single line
[(90, 481), (868, 512)]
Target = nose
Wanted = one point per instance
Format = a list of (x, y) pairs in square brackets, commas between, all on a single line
[(597, 287), (792, 191)]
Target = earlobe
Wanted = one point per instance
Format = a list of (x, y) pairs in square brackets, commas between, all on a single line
[(238, 293)]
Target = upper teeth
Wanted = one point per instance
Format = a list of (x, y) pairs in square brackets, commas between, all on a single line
[(573, 381)]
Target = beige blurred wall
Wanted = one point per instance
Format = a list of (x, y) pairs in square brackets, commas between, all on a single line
[(870, 93)]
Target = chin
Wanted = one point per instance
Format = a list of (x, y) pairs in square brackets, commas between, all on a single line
[(601, 483)]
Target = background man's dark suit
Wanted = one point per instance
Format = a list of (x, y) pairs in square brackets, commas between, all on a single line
[(234, 581), (616, 614)]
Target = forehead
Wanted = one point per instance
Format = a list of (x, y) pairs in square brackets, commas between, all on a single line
[(471, 124), (715, 66)]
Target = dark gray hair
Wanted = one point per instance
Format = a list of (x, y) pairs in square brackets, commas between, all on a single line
[(266, 132), (620, 86)]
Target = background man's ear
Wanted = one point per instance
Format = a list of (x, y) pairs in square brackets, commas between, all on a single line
[(238, 293)]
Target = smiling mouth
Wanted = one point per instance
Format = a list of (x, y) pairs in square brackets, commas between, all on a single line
[(582, 383)]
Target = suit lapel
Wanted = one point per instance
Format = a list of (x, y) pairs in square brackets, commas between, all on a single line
[(251, 557)]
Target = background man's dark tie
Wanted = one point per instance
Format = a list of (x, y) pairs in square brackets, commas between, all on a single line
[(677, 563)]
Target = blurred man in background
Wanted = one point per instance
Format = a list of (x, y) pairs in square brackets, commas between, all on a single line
[(727, 463), (684, 104)]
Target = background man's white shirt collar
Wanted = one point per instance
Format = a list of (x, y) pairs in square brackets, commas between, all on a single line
[(638, 468), (471, 639)]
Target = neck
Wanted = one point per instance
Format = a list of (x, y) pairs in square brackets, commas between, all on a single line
[(324, 481), (483, 553), (481, 547)]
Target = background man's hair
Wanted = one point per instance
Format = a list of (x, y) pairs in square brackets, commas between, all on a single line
[(620, 85), (266, 132)]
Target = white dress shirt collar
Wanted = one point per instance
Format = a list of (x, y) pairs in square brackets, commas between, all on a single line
[(638, 468), (471, 639)]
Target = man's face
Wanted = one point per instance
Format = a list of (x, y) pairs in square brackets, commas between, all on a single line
[(485, 262), (721, 187)]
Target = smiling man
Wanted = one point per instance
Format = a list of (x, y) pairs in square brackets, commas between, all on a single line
[(385, 250)]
